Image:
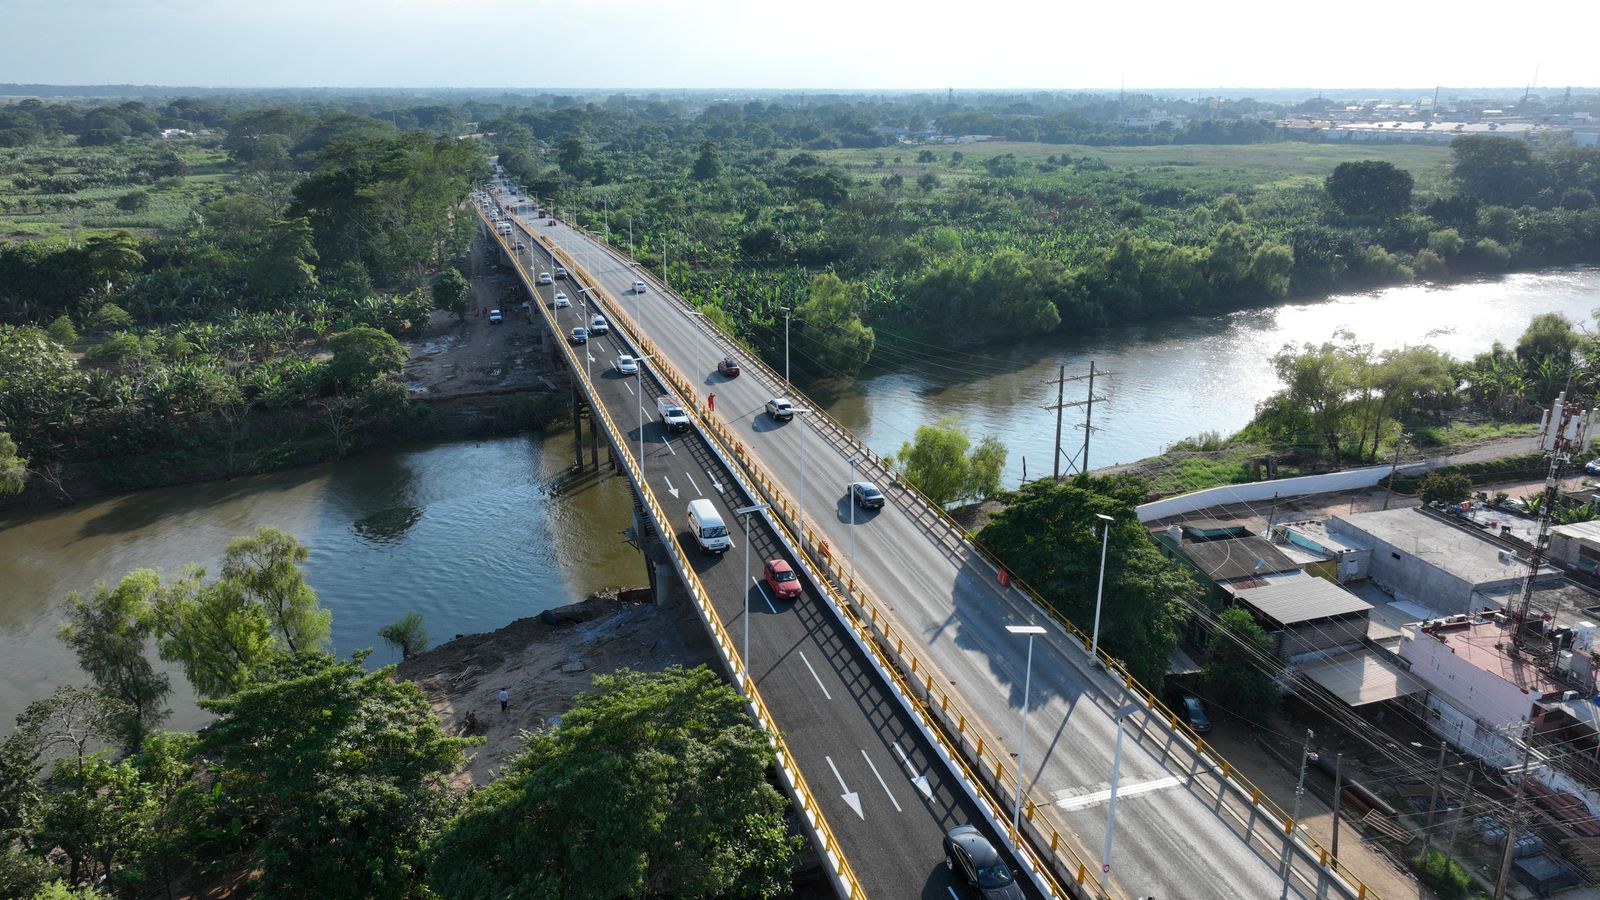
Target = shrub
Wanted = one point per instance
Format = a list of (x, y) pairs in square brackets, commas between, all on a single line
[(1444, 875), (62, 332), (1442, 487), (136, 201)]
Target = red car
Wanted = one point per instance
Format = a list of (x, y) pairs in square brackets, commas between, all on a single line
[(782, 579), (728, 368)]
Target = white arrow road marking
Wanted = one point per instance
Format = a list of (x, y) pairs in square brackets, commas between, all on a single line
[(921, 780), (814, 675), (952, 892), (696, 486), (1123, 790), (763, 589), (715, 484), (664, 440), (881, 782), (849, 796), (670, 489)]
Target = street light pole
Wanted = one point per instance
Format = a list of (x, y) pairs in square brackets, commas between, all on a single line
[(800, 410), (1022, 739), (1294, 817), (744, 652), (1120, 716), (786, 312), (850, 497), (640, 363), (1105, 537)]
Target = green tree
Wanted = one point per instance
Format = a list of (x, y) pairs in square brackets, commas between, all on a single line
[(110, 317), (61, 331), (572, 158), (1320, 382), (1446, 242), (1049, 537), (985, 465), (107, 631), (286, 265), (134, 201), (406, 634), (363, 355), (266, 568), (1499, 170), (653, 785), (114, 256), (450, 292), (927, 181), (339, 770), (1445, 487), (708, 165), (1369, 187), (1237, 673), (13, 468), (830, 333), (936, 462)]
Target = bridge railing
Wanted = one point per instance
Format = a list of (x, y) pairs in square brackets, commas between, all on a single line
[(828, 845), (962, 725)]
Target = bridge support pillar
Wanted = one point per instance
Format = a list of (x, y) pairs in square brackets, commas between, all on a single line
[(577, 427), (594, 440)]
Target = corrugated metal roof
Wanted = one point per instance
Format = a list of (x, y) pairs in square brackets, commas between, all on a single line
[(1238, 558), (1362, 677), (1302, 600), (1585, 530)]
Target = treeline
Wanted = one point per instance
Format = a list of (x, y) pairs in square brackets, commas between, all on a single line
[(319, 778)]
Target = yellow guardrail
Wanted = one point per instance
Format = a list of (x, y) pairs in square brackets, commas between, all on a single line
[(831, 849), (983, 747)]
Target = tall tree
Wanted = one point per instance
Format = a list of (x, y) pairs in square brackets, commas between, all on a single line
[(286, 265), (1369, 187), (363, 355), (831, 335), (450, 291), (1496, 169), (107, 631), (13, 468), (1239, 672), (708, 165), (651, 786), (266, 568)]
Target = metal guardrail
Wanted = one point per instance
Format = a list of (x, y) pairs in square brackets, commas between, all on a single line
[(829, 845), (949, 713)]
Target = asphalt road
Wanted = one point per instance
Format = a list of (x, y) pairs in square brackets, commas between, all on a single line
[(1172, 839), (885, 793)]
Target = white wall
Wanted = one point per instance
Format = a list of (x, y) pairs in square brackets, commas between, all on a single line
[(1260, 491), (1475, 692)]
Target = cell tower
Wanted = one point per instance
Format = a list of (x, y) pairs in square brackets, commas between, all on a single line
[(1564, 430)]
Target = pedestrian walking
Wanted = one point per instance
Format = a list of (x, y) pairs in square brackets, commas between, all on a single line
[(505, 700)]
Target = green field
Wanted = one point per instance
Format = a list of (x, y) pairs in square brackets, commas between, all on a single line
[(30, 211)]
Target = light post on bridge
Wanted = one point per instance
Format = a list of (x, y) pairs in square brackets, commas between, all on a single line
[(786, 313), (744, 652), (801, 410), (639, 362), (1022, 740), (850, 498), (1121, 717), (1105, 537), (588, 357)]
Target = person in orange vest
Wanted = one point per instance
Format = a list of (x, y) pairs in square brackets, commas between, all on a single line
[(711, 402)]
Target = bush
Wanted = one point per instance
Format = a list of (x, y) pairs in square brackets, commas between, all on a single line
[(62, 332), (1428, 264), (1441, 487), (110, 317), (136, 201), (1444, 875)]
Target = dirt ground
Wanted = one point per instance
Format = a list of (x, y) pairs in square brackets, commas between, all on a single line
[(544, 667), (452, 359)]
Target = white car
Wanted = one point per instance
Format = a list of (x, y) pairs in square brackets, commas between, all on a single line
[(598, 325), (627, 365), (562, 302), (638, 287), (544, 277), (495, 318), (561, 273)]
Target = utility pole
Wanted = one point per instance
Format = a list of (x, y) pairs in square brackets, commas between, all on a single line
[(1388, 490), (1294, 818), (1433, 803), (1088, 420), (1516, 812), (1338, 795), (1457, 823)]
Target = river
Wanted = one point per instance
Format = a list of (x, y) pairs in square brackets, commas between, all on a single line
[(470, 534), (1176, 377)]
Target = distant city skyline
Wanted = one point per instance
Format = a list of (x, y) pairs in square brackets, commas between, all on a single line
[(639, 45)]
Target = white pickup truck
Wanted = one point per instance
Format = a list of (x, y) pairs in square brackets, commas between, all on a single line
[(673, 415)]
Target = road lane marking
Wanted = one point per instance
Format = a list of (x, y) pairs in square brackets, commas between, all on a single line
[(762, 588), (952, 892), (1123, 790), (849, 796), (670, 489), (630, 390), (668, 442), (696, 486), (814, 675), (881, 782), (920, 780), (715, 484)]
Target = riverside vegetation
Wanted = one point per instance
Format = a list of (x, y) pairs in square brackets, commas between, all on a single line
[(319, 778)]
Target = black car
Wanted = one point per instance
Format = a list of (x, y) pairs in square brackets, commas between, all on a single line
[(1194, 713), (970, 855), (866, 495)]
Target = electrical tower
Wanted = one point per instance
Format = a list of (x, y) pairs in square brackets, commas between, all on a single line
[(1088, 416), (1564, 430)]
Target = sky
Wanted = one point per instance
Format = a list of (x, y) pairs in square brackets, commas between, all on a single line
[(817, 44)]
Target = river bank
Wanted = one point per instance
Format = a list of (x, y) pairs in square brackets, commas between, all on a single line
[(543, 662)]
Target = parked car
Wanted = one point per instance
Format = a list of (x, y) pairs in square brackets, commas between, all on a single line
[(969, 855), (627, 365), (1194, 714), (728, 368), (495, 318), (544, 277), (866, 495), (562, 302), (580, 335), (598, 325), (780, 410), (561, 274), (781, 578), (1592, 467)]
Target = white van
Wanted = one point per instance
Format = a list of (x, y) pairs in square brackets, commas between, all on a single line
[(709, 531), (505, 228)]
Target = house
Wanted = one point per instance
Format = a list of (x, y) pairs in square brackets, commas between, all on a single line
[(1304, 614), (1576, 547)]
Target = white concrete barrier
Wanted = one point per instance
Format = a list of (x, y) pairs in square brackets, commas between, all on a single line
[(1258, 491)]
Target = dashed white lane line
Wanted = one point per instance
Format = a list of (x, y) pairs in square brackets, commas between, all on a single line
[(1081, 801), (763, 589), (814, 675), (881, 782), (696, 486)]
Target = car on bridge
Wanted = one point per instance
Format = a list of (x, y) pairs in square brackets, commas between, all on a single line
[(781, 578), (974, 860), (562, 302), (638, 287), (519, 246), (580, 335), (544, 277), (598, 325), (627, 365), (866, 495), (780, 409), (728, 368), (561, 273)]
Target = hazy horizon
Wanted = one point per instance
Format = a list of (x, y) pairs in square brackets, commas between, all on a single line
[(891, 45)]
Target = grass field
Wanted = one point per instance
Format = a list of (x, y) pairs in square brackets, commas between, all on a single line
[(29, 213), (1208, 167)]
